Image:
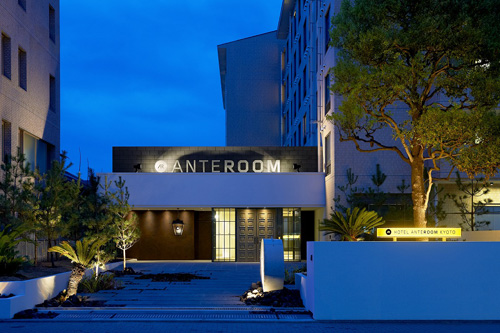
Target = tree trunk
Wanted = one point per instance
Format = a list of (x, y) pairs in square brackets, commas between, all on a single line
[(419, 193), (35, 245), (472, 222), (74, 279), (51, 254), (124, 260)]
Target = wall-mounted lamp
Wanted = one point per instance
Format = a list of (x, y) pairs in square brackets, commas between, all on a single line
[(138, 167), (296, 167), (178, 226)]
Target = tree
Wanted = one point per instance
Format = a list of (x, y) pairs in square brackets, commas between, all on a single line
[(350, 192), (16, 192), (125, 223), (82, 256), (351, 225), (468, 203), (436, 59), (56, 201), (97, 219)]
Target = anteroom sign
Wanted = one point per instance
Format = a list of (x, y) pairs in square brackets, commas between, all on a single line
[(396, 233)]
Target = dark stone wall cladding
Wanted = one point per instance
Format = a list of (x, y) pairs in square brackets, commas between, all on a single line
[(124, 158)]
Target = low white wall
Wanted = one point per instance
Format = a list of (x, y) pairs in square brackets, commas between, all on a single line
[(403, 280), (29, 293)]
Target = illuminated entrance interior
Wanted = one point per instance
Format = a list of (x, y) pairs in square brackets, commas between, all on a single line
[(291, 234), (224, 234)]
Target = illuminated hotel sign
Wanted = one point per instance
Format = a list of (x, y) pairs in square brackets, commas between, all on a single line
[(419, 232), (219, 166)]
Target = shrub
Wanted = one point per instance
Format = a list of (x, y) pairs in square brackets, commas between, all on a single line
[(93, 284), (352, 225), (290, 274), (10, 262)]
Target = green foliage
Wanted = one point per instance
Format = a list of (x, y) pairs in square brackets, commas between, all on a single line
[(97, 219), (470, 204), (436, 59), (290, 274), (96, 283), (10, 262), (372, 198), (350, 192), (57, 201), (81, 254), (351, 225), (125, 226), (16, 192)]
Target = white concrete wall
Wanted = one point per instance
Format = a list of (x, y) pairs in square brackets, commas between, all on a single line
[(29, 293), (29, 109), (403, 280), (198, 190)]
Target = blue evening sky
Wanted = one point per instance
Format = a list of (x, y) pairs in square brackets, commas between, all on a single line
[(146, 73)]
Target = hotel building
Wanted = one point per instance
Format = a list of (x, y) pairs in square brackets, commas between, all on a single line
[(29, 80), (283, 164)]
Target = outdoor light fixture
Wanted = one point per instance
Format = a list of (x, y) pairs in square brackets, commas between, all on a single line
[(296, 167), (178, 226), (138, 167)]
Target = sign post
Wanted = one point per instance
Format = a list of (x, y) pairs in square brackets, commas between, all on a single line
[(396, 233)]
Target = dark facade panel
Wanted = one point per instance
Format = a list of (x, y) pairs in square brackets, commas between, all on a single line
[(215, 159)]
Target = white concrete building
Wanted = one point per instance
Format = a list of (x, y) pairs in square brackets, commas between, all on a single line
[(29, 79)]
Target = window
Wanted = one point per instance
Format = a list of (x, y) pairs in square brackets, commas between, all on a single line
[(299, 89), (287, 122), (299, 141), (304, 85), (294, 105), (36, 151), (287, 51), (283, 127), (327, 29), (327, 94), (52, 98), (22, 69), (304, 36), (22, 4), (328, 161), (52, 24), (304, 128), (224, 225), (299, 9), (6, 140), (291, 234), (300, 49), (6, 63)]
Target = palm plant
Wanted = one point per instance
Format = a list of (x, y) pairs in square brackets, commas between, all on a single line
[(351, 225), (82, 256)]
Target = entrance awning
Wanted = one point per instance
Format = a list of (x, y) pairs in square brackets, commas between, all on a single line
[(206, 190)]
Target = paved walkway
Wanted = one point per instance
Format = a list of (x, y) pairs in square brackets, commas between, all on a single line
[(213, 299), (227, 281)]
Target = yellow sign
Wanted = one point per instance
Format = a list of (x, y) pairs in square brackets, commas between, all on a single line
[(419, 232)]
